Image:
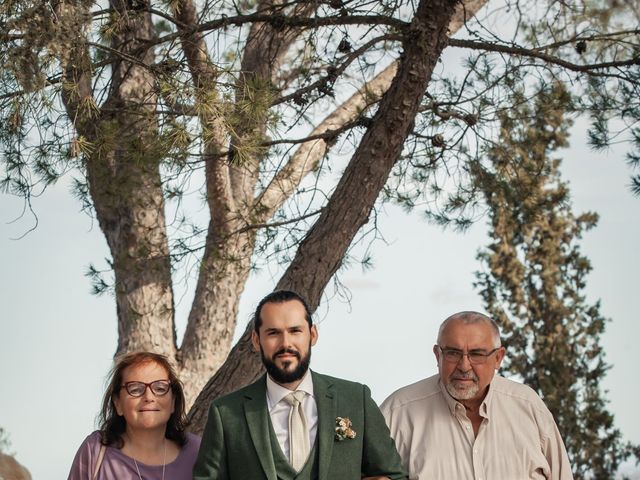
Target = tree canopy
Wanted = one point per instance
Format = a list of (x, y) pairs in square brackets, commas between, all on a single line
[(292, 120)]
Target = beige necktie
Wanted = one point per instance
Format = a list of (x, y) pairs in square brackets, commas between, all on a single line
[(298, 431)]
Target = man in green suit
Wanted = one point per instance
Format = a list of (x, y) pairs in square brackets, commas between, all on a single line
[(294, 424)]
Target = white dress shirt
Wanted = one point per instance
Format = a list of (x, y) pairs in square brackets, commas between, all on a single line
[(279, 410)]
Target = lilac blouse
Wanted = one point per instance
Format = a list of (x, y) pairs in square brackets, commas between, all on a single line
[(117, 465)]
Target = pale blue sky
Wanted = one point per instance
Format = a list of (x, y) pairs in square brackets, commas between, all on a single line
[(57, 340)]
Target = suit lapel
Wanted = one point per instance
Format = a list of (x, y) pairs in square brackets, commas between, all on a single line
[(257, 416), (326, 400)]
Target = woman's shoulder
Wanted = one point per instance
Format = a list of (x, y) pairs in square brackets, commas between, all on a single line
[(193, 442), (92, 441), (182, 466), (86, 456), (189, 450), (93, 445)]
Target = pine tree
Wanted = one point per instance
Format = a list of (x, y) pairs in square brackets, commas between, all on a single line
[(5, 443), (256, 107), (534, 277)]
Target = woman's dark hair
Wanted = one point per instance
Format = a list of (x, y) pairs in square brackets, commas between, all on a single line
[(112, 425)]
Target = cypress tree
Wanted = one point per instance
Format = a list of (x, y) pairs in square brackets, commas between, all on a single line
[(533, 279)]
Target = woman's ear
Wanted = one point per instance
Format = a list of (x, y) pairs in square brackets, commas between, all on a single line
[(116, 403)]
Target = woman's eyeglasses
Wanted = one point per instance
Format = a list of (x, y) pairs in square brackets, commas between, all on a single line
[(137, 389)]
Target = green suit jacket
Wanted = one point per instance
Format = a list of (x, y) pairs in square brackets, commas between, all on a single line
[(235, 444)]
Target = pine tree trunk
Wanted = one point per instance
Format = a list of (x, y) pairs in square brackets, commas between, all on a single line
[(212, 321), (123, 174), (133, 222), (321, 252)]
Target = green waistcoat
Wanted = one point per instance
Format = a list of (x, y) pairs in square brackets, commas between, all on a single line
[(284, 470)]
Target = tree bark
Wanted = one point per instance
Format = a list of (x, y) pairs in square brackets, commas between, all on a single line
[(123, 172), (321, 252), (309, 154), (231, 184), (223, 274), (124, 178), (126, 188)]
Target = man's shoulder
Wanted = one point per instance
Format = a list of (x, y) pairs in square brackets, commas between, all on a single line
[(335, 382), (511, 387), (234, 398), (516, 391), (420, 391)]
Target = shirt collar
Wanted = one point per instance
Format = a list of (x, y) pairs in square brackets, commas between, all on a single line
[(456, 406), (275, 392)]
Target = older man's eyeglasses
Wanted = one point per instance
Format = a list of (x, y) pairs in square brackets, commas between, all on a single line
[(159, 388), (476, 357)]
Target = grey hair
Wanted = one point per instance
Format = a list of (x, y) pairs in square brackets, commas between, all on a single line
[(470, 318)]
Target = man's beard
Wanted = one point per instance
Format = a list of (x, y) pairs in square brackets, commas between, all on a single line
[(281, 376), (462, 394)]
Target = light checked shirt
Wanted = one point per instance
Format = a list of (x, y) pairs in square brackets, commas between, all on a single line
[(517, 440)]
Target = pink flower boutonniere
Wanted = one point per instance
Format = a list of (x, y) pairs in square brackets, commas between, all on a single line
[(343, 429)]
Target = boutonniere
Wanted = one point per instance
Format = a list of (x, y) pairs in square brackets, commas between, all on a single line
[(343, 429)]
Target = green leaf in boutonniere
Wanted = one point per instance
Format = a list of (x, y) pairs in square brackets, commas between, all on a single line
[(343, 429)]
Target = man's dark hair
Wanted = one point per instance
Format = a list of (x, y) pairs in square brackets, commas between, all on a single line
[(280, 296)]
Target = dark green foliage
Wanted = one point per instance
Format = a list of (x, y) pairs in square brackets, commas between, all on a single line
[(635, 185), (5, 444), (533, 281)]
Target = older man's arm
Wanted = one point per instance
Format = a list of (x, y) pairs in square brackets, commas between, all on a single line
[(401, 433), (554, 450)]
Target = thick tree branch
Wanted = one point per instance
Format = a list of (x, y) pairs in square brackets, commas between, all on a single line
[(336, 71), (287, 21), (230, 186), (122, 169), (76, 68), (306, 158), (549, 59), (309, 154), (203, 71), (316, 261), (204, 75), (587, 38), (266, 46)]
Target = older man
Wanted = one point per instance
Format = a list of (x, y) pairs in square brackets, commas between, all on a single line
[(466, 422)]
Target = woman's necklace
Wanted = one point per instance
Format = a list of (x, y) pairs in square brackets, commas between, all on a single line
[(164, 457)]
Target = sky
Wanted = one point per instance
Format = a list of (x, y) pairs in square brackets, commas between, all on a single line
[(57, 340)]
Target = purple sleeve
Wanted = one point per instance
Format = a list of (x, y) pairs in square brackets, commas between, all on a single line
[(84, 461)]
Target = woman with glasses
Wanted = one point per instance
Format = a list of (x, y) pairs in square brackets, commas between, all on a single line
[(142, 435)]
